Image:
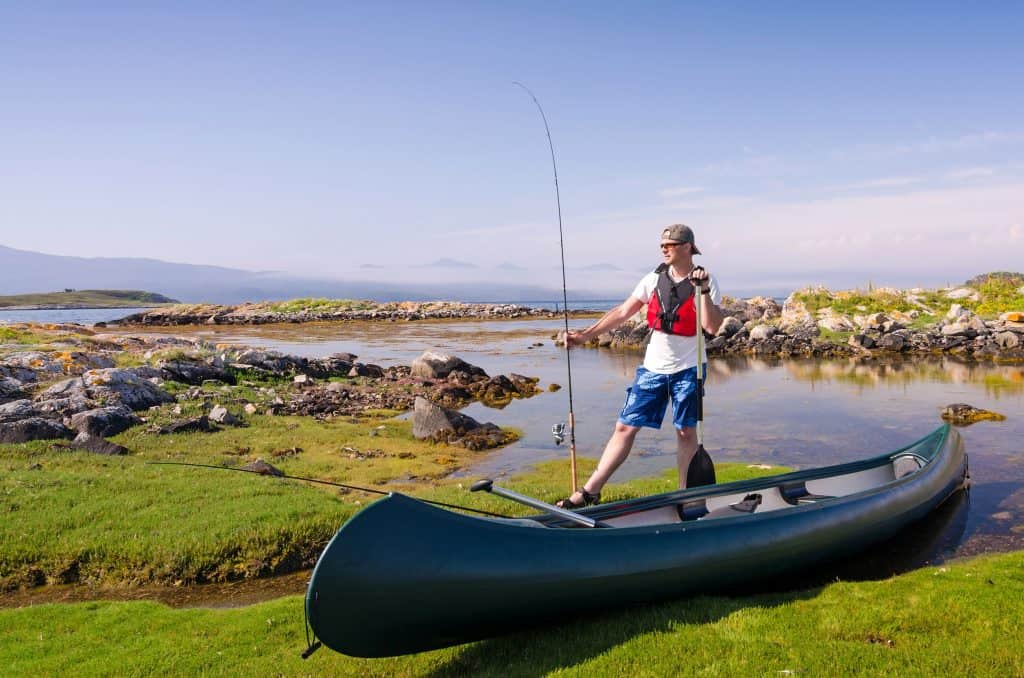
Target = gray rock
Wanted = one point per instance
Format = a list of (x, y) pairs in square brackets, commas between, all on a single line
[(65, 397), (98, 445), (196, 424), (730, 326), (263, 468), (762, 332), (193, 372), (1007, 340), (892, 342), (220, 415), (955, 311), (10, 389), (861, 341), (432, 422), (955, 329), (125, 386), (104, 421), (963, 293), (18, 409), (33, 428), (438, 365)]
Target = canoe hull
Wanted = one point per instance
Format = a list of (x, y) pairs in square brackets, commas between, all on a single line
[(403, 577)]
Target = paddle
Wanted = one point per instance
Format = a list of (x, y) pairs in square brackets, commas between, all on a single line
[(701, 470), (487, 485)]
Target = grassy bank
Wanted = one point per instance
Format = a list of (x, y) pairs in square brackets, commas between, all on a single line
[(72, 516), (963, 618), (85, 299)]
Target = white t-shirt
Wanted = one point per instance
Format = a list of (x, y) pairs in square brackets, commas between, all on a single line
[(670, 353)]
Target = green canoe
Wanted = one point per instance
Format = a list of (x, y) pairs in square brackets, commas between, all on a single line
[(402, 576)]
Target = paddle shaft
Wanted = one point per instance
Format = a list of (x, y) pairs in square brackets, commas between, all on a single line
[(700, 368), (487, 486)]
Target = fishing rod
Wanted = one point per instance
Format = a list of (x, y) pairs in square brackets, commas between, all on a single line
[(326, 482), (557, 430)]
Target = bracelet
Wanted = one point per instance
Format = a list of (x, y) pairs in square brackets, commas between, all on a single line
[(707, 291)]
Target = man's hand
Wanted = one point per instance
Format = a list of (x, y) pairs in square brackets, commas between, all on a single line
[(576, 338), (699, 278)]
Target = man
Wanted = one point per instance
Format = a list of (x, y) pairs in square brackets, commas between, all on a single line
[(669, 370)]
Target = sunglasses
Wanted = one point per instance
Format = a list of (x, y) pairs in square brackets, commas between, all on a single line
[(671, 245)]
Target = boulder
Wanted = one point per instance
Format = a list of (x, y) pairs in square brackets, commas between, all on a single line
[(126, 387), (794, 311), (956, 329), (104, 421), (438, 365), (1006, 340), (263, 468), (955, 311), (65, 397), (963, 293), (963, 414), (18, 409), (730, 326), (892, 342), (433, 422), (834, 322), (33, 428), (220, 415), (10, 389), (193, 372), (763, 332), (98, 445), (192, 425)]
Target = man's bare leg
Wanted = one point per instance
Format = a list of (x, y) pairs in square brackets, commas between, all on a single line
[(686, 447), (615, 452)]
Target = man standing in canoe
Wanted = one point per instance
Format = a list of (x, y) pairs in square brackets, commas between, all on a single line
[(669, 371)]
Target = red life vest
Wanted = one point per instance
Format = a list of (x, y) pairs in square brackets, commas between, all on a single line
[(670, 308)]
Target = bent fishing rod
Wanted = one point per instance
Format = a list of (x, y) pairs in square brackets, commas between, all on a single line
[(326, 482), (565, 300)]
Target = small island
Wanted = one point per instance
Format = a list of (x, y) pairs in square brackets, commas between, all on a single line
[(71, 298)]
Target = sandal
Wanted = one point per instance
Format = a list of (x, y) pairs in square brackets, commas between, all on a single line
[(588, 500)]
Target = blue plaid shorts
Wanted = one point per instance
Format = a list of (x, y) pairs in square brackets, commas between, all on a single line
[(648, 398)]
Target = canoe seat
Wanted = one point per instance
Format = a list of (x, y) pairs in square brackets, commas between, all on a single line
[(740, 508), (797, 493), (905, 464), (694, 509)]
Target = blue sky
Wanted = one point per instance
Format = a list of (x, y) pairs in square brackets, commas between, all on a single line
[(804, 142)]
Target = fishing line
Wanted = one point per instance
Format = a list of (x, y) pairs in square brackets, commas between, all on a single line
[(565, 300), (326, 482)]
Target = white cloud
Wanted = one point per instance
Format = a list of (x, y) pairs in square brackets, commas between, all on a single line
[(884, 182), (683, 190), (971, 173)]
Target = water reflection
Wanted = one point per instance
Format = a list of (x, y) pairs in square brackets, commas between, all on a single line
[(798, 413)]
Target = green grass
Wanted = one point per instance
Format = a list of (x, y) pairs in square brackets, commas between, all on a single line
[(86, 299), (964, 618), (320, 305), (69, 516), (998, 294)]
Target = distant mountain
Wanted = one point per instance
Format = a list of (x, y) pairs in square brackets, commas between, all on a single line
[(22, 271), (445, 262)]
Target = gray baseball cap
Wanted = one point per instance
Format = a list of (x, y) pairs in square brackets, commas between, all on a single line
[(680, 233)]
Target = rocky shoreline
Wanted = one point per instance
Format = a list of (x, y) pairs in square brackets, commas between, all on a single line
[(78, 389), (264, 313), (760, 326)]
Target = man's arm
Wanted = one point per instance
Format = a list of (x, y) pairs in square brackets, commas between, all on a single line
[(711, 316), (608, 322)]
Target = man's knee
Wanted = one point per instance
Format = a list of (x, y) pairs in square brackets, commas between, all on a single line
[(686, 434), (625, 429)]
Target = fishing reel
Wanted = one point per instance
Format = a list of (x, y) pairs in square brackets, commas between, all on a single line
[(558, 433)]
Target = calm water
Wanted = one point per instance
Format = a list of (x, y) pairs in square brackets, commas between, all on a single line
[(793, 413), (82, 316)]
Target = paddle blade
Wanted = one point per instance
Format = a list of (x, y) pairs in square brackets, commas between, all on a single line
[(701, 470)]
